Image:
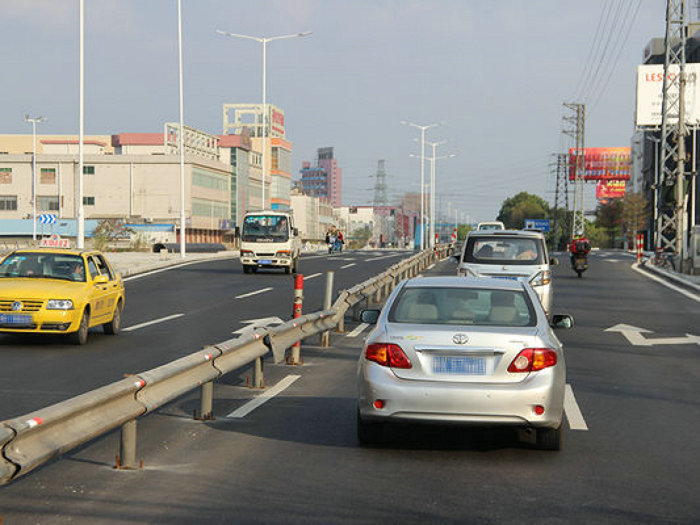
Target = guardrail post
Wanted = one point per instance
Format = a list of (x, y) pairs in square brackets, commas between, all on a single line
[(127, 447), (258, 378), (206, 402), (327, 301)]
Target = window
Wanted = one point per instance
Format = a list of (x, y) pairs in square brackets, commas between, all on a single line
[(8, 202), (5, 175), (48, 176), (103, 267), (88, 170), (47, 203), (92, 268), (88, 201)]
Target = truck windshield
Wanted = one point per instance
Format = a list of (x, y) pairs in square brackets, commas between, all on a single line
[(270, 228)]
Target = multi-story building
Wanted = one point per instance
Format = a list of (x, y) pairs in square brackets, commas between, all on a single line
[(134, 177), (312, 215), (324, 179), (247, 118)]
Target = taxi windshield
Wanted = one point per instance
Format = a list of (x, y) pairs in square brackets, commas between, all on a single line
[(41, 265)]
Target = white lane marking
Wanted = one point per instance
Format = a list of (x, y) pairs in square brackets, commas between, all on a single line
[(307, 277), (347, 266), (673, 287), (357, 331), (573, 412), (256, 292), (173, 267), (613, 260), (263, 398), (149, 323), (383, 257)]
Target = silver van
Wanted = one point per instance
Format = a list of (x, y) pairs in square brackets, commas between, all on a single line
[(517, 255)]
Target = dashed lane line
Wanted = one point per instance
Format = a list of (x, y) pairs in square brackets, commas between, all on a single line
[(263, 398), (572, 410), (149, 323), (256, 292), (357, 331), (347, 266)]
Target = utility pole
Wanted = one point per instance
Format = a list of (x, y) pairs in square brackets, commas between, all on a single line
[(578, 132), (380, 198), (561, 197), (670, 194)]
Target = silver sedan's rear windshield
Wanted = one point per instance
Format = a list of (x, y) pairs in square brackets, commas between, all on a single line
[(504, 250), (463, 306)]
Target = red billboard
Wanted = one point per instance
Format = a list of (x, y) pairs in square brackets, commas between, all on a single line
[(610, 189), (602, 163)]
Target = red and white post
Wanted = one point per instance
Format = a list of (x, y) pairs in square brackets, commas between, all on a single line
[(640, 246), (295, 354)]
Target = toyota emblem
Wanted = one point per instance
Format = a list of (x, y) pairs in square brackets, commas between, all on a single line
[(460, 339), (16, 306)]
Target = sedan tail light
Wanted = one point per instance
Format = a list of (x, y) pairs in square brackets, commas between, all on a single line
[(387, 354), (533, 359)]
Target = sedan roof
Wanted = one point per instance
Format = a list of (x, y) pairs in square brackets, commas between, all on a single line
[(449, 281)]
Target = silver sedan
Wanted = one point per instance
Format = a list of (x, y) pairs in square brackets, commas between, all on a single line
[(465, 351)]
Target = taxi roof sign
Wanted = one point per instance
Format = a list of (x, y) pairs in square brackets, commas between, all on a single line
[(55, 241)]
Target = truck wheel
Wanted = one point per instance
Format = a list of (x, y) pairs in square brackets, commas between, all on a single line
[(288, 269), (246, 268)]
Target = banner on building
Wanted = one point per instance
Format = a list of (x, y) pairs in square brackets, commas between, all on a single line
[(650, 80), (610, 189), (602, 163)]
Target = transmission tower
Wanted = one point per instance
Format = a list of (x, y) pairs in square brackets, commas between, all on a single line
[(669, 188), (380, 198), (577, 131), (561, 198)]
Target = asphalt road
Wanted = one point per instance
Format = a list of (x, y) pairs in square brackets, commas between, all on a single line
[(295, 459)]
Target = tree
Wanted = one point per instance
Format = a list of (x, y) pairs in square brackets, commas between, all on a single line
[(523, 206), (609, 217), (462, 231), (635, 213)]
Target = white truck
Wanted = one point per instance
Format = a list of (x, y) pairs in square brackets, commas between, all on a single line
[(269, 240)]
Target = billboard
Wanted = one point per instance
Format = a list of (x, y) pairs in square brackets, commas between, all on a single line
[(610, 189), (602, 163), (650, 92)]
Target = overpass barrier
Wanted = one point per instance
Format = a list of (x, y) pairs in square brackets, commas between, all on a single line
[(29, 441)]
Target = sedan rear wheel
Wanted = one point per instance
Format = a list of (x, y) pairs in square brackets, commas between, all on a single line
[(550, 438), (112, 327), (80, 336), (369, 432)]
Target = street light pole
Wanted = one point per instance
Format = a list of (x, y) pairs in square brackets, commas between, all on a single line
[(34, 121), (263, 116), (183, 220), (81, 103), (422, 129), (431, 239)]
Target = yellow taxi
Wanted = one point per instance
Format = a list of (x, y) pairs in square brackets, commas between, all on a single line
[(59, 291)]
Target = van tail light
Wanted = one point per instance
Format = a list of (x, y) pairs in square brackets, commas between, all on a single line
[(533, 359), (387, 354)]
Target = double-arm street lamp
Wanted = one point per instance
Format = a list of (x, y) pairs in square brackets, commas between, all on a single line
[(432, 160), (422, 129), (34, 121), (263, 120)]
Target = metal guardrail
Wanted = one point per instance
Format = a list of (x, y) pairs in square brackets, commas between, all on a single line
[(31, 440)]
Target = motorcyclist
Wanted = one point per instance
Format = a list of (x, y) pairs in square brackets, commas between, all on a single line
[(579, 248)]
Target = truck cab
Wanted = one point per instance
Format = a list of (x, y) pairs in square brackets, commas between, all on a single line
[(269, 240)]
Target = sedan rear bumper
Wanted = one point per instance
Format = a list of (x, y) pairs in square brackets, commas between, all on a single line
[(461, 402)]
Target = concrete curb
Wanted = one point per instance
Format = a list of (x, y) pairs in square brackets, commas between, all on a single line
[(670, 276)]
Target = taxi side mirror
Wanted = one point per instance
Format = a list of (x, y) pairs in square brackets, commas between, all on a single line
[(101, 279)]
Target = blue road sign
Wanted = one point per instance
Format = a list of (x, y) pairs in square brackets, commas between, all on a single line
[(47, 218), (537, 224)]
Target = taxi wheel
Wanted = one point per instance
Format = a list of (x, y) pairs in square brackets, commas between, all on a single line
[(112, 328), (80, 336)]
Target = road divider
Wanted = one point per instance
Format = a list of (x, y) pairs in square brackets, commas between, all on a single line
[(31, 440)]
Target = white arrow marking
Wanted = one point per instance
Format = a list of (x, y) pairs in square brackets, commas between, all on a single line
[(254, 324), (634, 335)]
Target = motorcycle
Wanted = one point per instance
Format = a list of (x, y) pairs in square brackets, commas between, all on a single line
[(579, 264)]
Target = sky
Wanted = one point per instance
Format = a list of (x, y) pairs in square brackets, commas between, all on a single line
[(494, 74)]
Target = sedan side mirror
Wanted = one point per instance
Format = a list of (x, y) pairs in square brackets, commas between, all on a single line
[(562, 321), (369, 316)]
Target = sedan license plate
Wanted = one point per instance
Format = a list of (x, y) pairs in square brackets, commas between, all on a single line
[(16, 319), (465, 365), (264, 261)]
